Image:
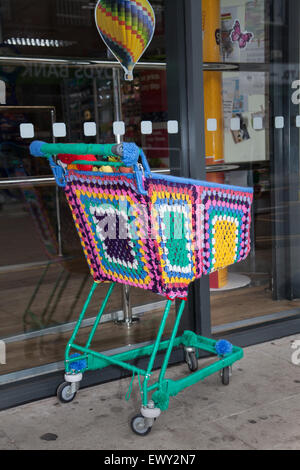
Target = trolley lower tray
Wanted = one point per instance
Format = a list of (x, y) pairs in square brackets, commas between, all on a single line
[(155, 396), (166, 387)]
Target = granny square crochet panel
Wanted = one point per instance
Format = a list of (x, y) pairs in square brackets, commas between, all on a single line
[(162, 241)]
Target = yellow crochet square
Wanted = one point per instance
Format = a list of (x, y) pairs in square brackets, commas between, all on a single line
[(225, 245)]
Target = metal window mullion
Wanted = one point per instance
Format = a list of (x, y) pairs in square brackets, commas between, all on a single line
[(292, 144), (284, 43), (186, 104)]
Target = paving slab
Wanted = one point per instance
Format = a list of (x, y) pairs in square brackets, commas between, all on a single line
[(259, 409)]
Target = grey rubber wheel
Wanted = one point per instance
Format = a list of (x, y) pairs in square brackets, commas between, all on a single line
[(225, 376), (191, 360), (64, 393), (139, 427)]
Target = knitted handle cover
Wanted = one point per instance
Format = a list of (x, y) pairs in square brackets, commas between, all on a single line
[(129, 152), (78, 149)]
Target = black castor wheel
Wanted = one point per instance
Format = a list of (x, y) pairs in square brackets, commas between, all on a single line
[(64, 393), (191, 360), (225, 374), (139, 426)]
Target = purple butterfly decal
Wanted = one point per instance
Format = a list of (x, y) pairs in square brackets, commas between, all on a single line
[(237, 35)]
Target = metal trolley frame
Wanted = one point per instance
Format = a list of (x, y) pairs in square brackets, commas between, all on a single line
[(154, 396)]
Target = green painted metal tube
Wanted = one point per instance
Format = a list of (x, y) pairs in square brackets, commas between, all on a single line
[(159, 335), (153, 386), (81, 317), (97, 163), (96, 364), (154, 352), (189, 338), (171, 343), (79, 149), (174, 387), (98, 318), (110, 360)]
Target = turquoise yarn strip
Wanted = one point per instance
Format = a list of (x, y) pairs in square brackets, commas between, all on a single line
[(128, 394)]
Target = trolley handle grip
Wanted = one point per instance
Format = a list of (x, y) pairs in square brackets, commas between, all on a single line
[(42, 149), (129, 152)]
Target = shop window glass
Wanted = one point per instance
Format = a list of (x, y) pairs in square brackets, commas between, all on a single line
[(44, 277)]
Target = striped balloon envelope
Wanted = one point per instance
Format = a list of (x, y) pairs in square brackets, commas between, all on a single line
[(127, 28)]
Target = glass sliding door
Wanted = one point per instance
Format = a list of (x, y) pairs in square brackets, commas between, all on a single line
[(59, 88), (258, 74)]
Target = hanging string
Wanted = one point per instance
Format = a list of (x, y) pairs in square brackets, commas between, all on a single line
[(128, 394)]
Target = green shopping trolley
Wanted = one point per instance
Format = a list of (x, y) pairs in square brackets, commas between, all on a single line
[(155, 232)]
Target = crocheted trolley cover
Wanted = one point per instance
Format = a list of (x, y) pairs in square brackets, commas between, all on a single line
[(163, 240)]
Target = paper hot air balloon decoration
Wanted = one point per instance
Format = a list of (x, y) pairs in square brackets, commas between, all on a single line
[(127, 28)]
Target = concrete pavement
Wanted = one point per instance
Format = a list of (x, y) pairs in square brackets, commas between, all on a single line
[(260, 409)]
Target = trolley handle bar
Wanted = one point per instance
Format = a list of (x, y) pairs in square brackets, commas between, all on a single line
[(116, 164), (129, 152), (42, 149), (97, 163)]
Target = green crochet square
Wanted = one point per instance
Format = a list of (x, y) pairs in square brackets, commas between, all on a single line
[(176, 240)]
